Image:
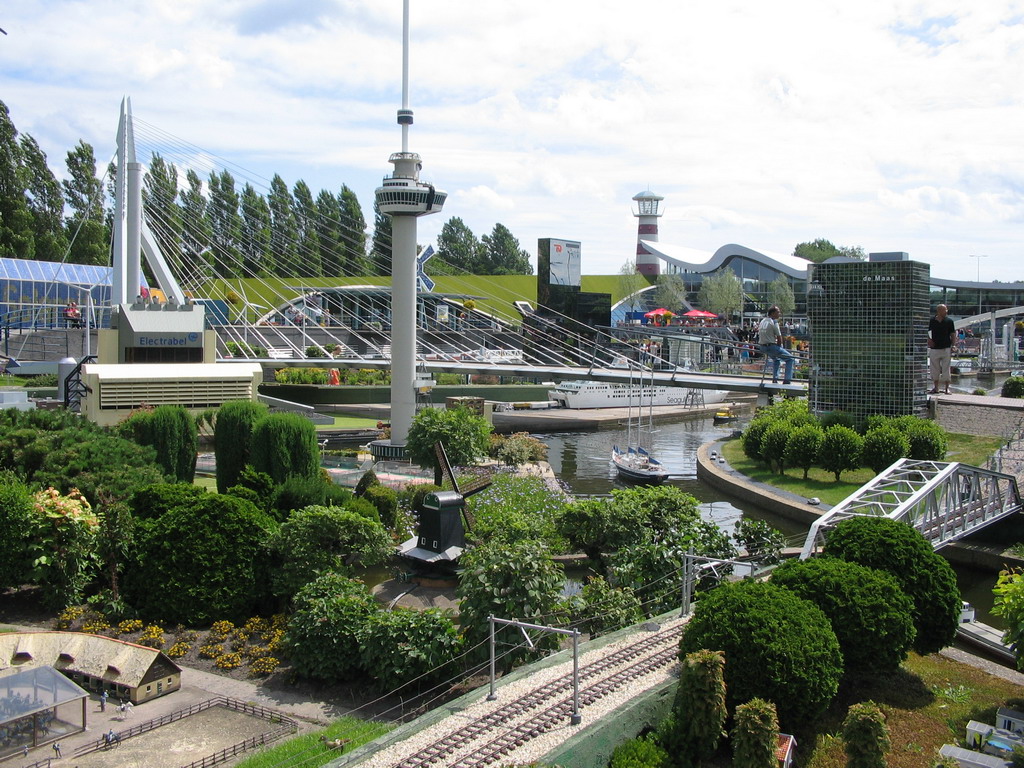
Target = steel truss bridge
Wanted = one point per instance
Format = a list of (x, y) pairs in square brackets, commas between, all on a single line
[(945, 501)]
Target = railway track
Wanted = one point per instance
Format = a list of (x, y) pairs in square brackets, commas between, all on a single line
[(496, 732)]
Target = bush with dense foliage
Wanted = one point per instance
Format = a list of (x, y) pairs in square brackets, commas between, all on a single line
[(62, 543), (1013, 387), (883, 447), (928, 441), (870, 614), (296, 492), (773, 444), (518, 448), (200, 562), (639, 753), (465, 437), (762, 542), (755, 735), (1009, 603), (153, 501), (599, 608), (172, 432), (314, 376), (385, 501), (865, 736), (367, 480), (777, 646), (517, 508), (17, 521), (694, 727), (802, 447), (509, 581), (285, 445), (320, 539), (840, 450), (322, 638), (232, 439), (410, 647), (900, 550)]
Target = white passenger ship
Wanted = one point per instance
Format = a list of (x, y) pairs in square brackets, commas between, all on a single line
[(602, 394)]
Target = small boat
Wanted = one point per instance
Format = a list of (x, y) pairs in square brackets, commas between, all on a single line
[(983, 636), (635, 465), (725, 415)]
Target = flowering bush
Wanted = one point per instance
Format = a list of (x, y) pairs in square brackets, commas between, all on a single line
[(95, 625), (71, 614), (178, 650), (64, 549), (229, 661), (128, 626), (265, 665), (211, 651), (220, 630), (153, 636)]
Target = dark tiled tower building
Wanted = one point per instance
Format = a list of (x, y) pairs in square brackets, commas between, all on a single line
[(869, 326)]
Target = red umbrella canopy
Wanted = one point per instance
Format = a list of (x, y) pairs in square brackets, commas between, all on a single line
[(656, 312), (699, 313)]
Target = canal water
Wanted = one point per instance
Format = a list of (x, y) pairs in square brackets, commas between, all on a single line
[(582, 460)]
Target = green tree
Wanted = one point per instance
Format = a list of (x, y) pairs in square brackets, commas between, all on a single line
[(774, 442), (225, 224), (172, 432), (308, 244), (721, 293), (63, 545), (458, 249), (201, 562), (639, 753), (196, 234), (321, 539), (254, 242), (45, 202), (330, 236), (870, 614), (404, 646), (17, 520), (88, 231), (780, 294), (865, 736), (159, 203), (670, 292), (883, 447), (803, 446), (464, 435), (353, 236), (324, 629), (284, 445), (502, 254), (694, 728), (380, 248), (817, 250), (898, 549), (762, 542), (755, 735), (840, 450), (232, 439), (517, 581), (284, 234), (777, 647), (600, 608), (1009, 603), (16, 241), (631, 283)]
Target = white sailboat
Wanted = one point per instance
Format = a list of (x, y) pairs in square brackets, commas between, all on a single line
[(636, 464)]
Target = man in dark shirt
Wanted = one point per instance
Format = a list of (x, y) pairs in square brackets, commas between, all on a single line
[(940, 347)]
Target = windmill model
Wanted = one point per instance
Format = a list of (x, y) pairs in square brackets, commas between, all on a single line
[(443, 521)]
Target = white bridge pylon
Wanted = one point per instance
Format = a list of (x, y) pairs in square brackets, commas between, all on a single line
[(945, 501)]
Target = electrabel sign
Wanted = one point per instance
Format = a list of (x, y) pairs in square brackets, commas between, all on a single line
[(168, 340)]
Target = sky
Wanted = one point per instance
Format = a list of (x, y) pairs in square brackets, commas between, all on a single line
[(892, 125)]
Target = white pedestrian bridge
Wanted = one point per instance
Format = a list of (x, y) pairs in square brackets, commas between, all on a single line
[(945, 501)]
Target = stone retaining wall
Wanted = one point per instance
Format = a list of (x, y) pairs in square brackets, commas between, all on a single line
[(977, 414)]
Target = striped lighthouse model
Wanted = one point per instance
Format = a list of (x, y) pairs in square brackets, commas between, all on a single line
[(647, 229)]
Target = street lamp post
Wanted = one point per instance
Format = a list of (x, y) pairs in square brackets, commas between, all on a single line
[(979, 257)]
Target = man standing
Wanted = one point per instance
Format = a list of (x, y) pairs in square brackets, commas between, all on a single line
[(940, 348), (769, 336)]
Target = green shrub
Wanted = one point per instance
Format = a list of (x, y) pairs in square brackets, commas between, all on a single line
[(419, 492), (802, 447), (865, 736), (777, 647), (232, 439), (152, 501), (838, 418), (314, 351), (840, 450), (928, 441), (600, 608), (753, 434), (243, 349), (297, 492), (882, 447), (406, 646), (773, 444), (300, 376), (17, 518), (639, 753), (285, 445), (368, 479), (692, 732), (755, 735), (385, 500), (1013, 387)]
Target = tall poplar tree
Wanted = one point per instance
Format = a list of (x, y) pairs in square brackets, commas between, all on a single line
[(459, 249), (195, 227), (353, 234), (284, 234), (329, 234), (45, 202), (225, 224), (88, 228), (306, 225), (16, 241), (255, 234), (159, 202), (380, 251)]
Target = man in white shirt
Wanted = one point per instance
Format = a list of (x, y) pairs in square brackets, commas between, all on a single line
[(769, 336)]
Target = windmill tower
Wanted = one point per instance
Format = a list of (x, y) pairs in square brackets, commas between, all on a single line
[(404, 198), (647, 213)]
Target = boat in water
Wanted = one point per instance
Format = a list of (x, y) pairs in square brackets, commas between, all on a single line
[(635, 465), (725, 415), (603, 394), (983, 636)]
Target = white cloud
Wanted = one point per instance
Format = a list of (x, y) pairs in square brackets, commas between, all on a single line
[(890, 125)]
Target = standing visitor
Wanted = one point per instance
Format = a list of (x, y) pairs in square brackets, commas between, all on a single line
[(769, 336), (940, 353)]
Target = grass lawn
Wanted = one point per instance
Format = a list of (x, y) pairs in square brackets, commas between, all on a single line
[(926, 704), (308, 750), (967, 449), (349, 421)]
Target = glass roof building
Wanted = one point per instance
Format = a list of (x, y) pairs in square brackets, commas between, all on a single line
[(38, 705), (34, 293)]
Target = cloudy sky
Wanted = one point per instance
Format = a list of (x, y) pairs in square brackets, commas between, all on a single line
[(894, 125)]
